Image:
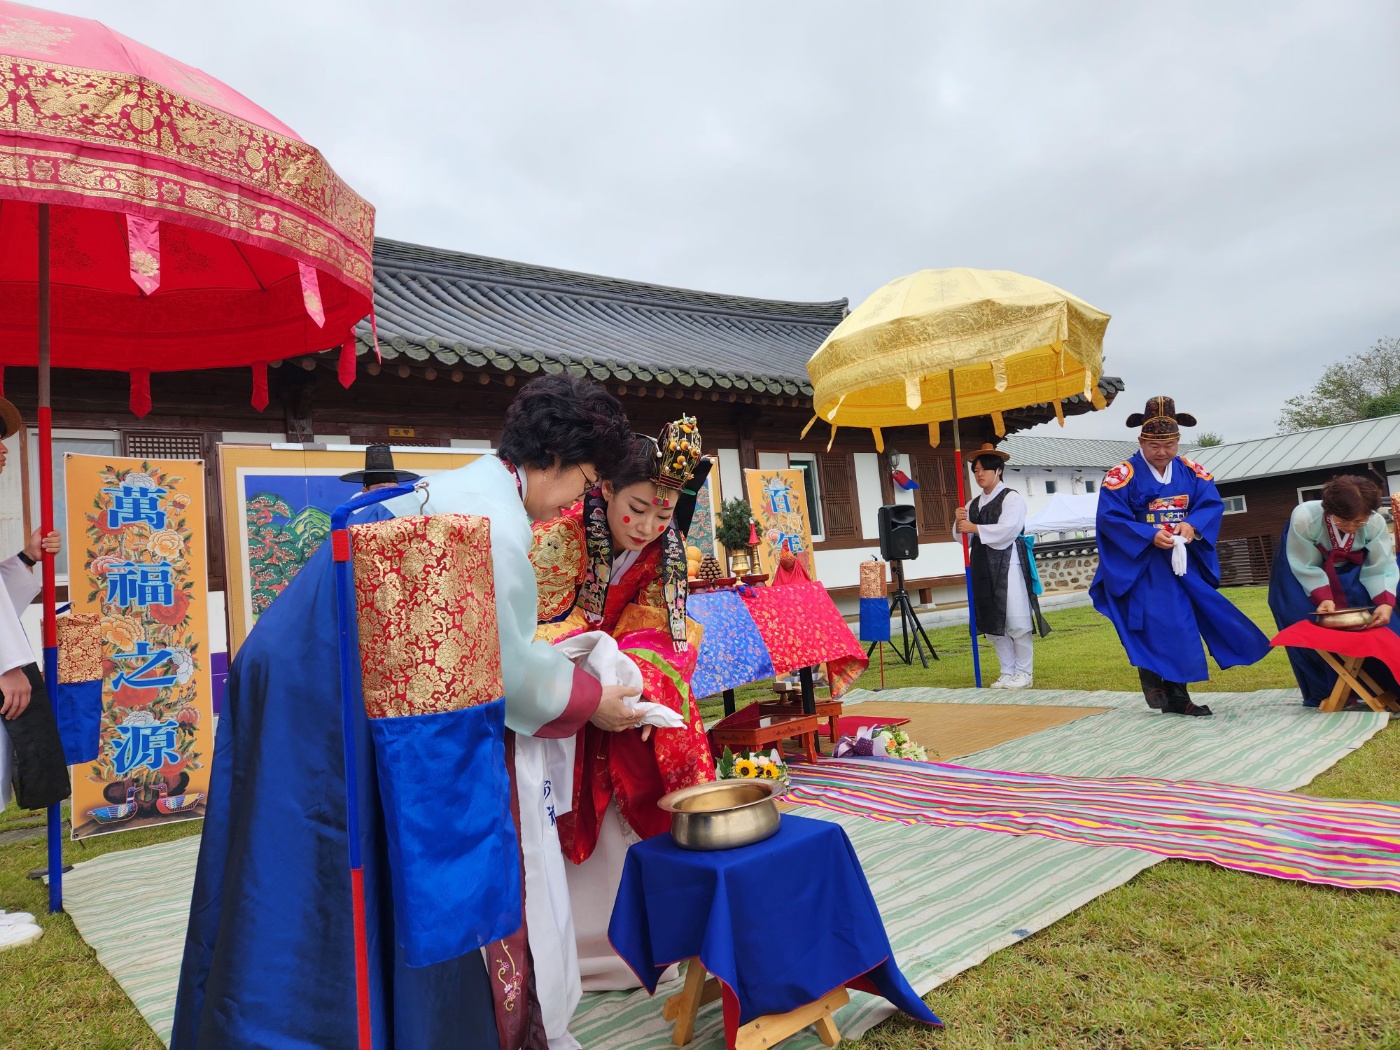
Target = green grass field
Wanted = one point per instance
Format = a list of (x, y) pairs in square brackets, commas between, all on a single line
[(1183, 956)]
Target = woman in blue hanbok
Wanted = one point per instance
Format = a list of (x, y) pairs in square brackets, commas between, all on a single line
[(1336, 553)]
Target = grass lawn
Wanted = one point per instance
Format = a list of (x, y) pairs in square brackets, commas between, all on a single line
[(1184, 955)]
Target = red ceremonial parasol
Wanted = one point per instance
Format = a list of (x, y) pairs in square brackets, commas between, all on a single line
[(153, 219)]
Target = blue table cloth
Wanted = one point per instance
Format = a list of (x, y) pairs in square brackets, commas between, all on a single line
[(781, 923), (732, 653)]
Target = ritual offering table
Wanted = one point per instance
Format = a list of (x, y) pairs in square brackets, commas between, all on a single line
[(1346, 652), (752, 946), (751, 730), (829, 710)]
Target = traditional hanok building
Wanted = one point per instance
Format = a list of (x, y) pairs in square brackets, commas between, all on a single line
[(459, 334)]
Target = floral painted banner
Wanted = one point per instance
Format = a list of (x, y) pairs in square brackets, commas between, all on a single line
[(779, 502), (137, 558), (702, 525)]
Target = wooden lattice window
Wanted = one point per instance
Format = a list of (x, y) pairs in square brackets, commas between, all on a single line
[(162, 445), (838, 494), (937, 494)]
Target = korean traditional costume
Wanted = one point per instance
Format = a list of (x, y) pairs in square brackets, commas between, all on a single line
[(1008, 611), (1161, 618), (1316, 563), (269, 956)]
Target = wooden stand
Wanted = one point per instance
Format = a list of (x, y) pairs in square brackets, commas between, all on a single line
[(760, 1033), (1352, 679), (754, 737), (827, 709)]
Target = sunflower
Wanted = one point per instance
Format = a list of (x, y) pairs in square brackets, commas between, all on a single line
[(771, 772), (745, 767)]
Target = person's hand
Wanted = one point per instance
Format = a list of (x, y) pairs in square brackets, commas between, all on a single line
[(615, 712), (1163, 539), (959, 513), (1381, 617), (14, 683), (38, 544), (962, 524), (1186, 530), (1327, 606)]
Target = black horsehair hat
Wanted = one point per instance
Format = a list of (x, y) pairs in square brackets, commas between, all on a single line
[(379, 469), (1160, 419)]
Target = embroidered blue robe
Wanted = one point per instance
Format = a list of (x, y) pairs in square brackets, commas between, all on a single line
[(1161, 618)]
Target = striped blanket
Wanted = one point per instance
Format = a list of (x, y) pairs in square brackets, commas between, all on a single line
[(1347, 843)]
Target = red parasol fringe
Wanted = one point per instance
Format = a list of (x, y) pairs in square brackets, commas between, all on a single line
[(260, 385), (346, 368), (140, 392)]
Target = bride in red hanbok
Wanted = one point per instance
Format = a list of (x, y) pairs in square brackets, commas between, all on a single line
[(619, 560)]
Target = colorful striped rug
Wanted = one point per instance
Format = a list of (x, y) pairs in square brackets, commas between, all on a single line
[(1347, 843)]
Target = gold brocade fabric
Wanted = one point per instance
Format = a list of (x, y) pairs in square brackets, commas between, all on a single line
[(559, 557), (649, 617), (426, 602), (872, 579), (1012, 341), (79, 648)]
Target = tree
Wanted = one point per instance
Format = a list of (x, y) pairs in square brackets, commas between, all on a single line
[(733, 528), (1360, 387), (1208, 440)]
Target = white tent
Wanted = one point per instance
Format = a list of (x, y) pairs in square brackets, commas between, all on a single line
[(1065, 513)]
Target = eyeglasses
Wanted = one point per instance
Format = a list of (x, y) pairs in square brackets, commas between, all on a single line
[(588, 483)]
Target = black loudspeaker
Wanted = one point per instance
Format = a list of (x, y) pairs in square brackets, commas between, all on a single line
[(899, 533)]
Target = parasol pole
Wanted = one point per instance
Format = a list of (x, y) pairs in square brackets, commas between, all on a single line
[(967, 554), (50, 626)]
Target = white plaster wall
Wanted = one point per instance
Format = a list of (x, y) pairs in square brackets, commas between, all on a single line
[(1030, 482), (731, 475), (868, 494), (12, 535)]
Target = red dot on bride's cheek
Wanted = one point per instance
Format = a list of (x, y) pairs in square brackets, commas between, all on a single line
[(626, 520)]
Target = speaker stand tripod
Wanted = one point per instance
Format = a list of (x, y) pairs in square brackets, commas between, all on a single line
[(915, 638)]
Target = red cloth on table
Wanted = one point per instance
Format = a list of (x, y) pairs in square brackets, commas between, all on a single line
[(1380, 644), (801, 626)]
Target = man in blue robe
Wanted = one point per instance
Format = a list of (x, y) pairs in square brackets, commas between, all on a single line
[(1158, 522), (269, 955)]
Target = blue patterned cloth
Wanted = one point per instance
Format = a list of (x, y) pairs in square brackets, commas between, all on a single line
[(732, 652), (874, 620)]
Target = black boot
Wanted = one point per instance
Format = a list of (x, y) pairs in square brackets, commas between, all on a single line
[(1154, 689), (1179, 701)]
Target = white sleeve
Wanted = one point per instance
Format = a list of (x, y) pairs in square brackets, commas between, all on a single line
[(1002, 534), (21, 586)]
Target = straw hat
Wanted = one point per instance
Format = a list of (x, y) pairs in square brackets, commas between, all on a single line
[(990, 450), (10, 421)]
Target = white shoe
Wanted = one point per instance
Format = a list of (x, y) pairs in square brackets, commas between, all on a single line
[(1004, 682), (16, 918), (1019, 681), (14, 936)]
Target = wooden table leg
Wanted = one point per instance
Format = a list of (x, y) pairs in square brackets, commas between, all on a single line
[(772, 1029), (687, 1003), (1337, 699), (1380, 700)]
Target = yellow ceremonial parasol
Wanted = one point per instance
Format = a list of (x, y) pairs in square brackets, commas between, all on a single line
[(937, 343)]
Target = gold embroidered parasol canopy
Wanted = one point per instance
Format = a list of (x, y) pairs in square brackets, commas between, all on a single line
[(939, 344)]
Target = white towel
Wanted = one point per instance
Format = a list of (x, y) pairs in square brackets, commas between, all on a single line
[(598, 654), (1179, 555)]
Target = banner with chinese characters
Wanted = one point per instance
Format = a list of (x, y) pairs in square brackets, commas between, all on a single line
[(137, 558), (779, 502)]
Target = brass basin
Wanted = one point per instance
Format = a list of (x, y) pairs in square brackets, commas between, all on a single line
[(724, 814), (1345, 619)]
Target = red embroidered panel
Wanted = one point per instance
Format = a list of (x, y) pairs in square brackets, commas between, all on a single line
[(426, 604), (801, 627)]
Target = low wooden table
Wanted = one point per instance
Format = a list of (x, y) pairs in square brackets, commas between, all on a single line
[(1352, 679), (754, 737), (760, 1033), (828, 709)]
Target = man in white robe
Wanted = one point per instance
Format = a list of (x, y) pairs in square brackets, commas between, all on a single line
[(1008, 612)]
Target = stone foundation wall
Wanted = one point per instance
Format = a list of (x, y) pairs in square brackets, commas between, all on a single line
[(1067, 570)]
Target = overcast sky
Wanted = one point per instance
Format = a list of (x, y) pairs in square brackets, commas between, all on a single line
[(1223, 178)]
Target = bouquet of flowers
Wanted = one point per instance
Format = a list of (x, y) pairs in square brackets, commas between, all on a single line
[(752, 765), (880, 742)]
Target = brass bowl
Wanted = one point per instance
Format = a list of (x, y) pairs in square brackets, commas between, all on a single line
[(1345, 619), (724, 814)]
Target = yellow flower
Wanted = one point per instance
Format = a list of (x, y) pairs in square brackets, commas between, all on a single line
[(745, 767), (168, 545), (123, 632), (771, 772)]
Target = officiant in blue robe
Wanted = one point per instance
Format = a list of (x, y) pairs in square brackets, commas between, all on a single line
[(1158, 523)]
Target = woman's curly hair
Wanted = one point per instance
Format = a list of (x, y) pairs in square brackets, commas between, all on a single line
[(1351, 497), (566, 417)]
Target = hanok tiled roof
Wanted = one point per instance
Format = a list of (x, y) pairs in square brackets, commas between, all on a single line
[(456, 308), (1035, 450), (472, 311)]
